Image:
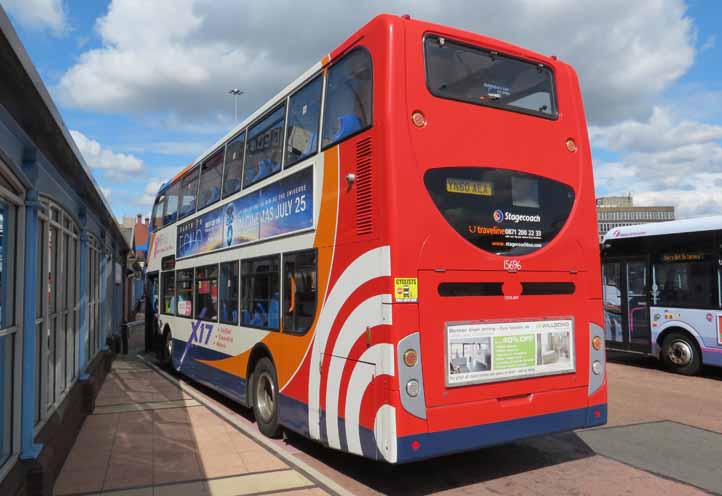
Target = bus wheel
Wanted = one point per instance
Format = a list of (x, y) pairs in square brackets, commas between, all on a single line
[(680, 354), (265, 397), (166, 354)]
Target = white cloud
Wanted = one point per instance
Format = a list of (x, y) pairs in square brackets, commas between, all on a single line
[(116, 166), (150, 191), (171, 148), (664, 131), (38, 14), (179, 57), (666, 160)]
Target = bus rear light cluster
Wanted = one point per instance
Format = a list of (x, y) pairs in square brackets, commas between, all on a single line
[(411, 376), (596, 358)]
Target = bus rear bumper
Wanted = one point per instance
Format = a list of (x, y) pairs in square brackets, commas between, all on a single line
[(431, 444)]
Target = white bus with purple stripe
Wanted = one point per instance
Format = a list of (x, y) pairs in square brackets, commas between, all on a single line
[(663, 291)]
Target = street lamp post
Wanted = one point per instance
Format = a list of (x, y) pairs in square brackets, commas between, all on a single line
[(236, 93)]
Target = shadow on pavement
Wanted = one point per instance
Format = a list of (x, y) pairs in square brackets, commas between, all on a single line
[(651, 363), (428, 476), (449, 472)]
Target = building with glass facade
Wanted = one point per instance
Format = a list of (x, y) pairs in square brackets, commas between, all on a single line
[(61, 279)]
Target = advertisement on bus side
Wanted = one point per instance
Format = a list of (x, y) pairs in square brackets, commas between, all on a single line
[(282, 207), (492, 351)]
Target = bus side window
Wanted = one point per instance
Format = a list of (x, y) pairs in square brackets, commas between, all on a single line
[(234, 165), (349, 97), (206, 293), (184, 293), (211, 174), (229, 293), (299, 291), (304, 112), (264, 147), (171, 204), (260, 293), (168, 288), (188, 192), (158, 213)]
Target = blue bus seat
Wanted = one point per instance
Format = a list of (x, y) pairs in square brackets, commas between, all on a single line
[(273, 312), (347, 124)]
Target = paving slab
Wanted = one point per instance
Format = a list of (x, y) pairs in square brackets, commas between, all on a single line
[(147, 437), (677, 451)]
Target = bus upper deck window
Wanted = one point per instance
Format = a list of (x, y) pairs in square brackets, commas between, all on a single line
[(188, 192), (158, 212), (304, 113), (210, 185), (264, 147), (349, 96), (234, 165), (171, 206)]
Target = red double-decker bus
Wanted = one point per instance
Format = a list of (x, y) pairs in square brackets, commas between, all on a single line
[(397, 254)]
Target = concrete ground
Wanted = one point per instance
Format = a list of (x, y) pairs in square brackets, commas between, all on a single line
[(154, 434), (146, 437)]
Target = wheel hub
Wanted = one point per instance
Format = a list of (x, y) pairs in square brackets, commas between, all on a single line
[(680, 353), (265, 396)]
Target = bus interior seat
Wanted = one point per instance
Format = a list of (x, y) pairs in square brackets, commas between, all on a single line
[(273, 308), (311, 145), (347, 124), (231, 186), (266, 167)]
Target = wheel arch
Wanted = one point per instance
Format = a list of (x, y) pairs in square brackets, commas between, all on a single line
[(259, 351)]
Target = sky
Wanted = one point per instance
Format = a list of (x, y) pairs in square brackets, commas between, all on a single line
[(143, 84)]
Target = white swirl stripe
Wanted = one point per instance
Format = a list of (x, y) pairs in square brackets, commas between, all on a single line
[(382, 355), (372, 264), (370, 313)]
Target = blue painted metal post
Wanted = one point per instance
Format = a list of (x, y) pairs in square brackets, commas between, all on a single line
[(103, 302), (84, 343), (28, 449)]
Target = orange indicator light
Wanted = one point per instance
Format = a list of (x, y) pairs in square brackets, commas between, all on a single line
[(418, 119)]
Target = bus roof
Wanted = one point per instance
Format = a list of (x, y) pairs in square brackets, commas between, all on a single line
[(712, 223)]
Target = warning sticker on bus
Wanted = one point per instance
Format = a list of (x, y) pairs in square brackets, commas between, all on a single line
[(469, 187), (406, 289), (492, 351)]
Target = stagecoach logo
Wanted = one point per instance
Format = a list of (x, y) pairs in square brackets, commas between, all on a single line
[(616, 233), (500, 216), (512, 265)]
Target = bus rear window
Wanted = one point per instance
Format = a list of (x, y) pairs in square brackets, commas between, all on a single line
[(484, 77), (500, 211)]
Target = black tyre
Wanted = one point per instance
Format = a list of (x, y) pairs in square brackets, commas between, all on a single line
[(166, 353), (680, 354), (265, 397)]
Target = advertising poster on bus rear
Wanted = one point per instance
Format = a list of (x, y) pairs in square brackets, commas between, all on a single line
[(479, 352)]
